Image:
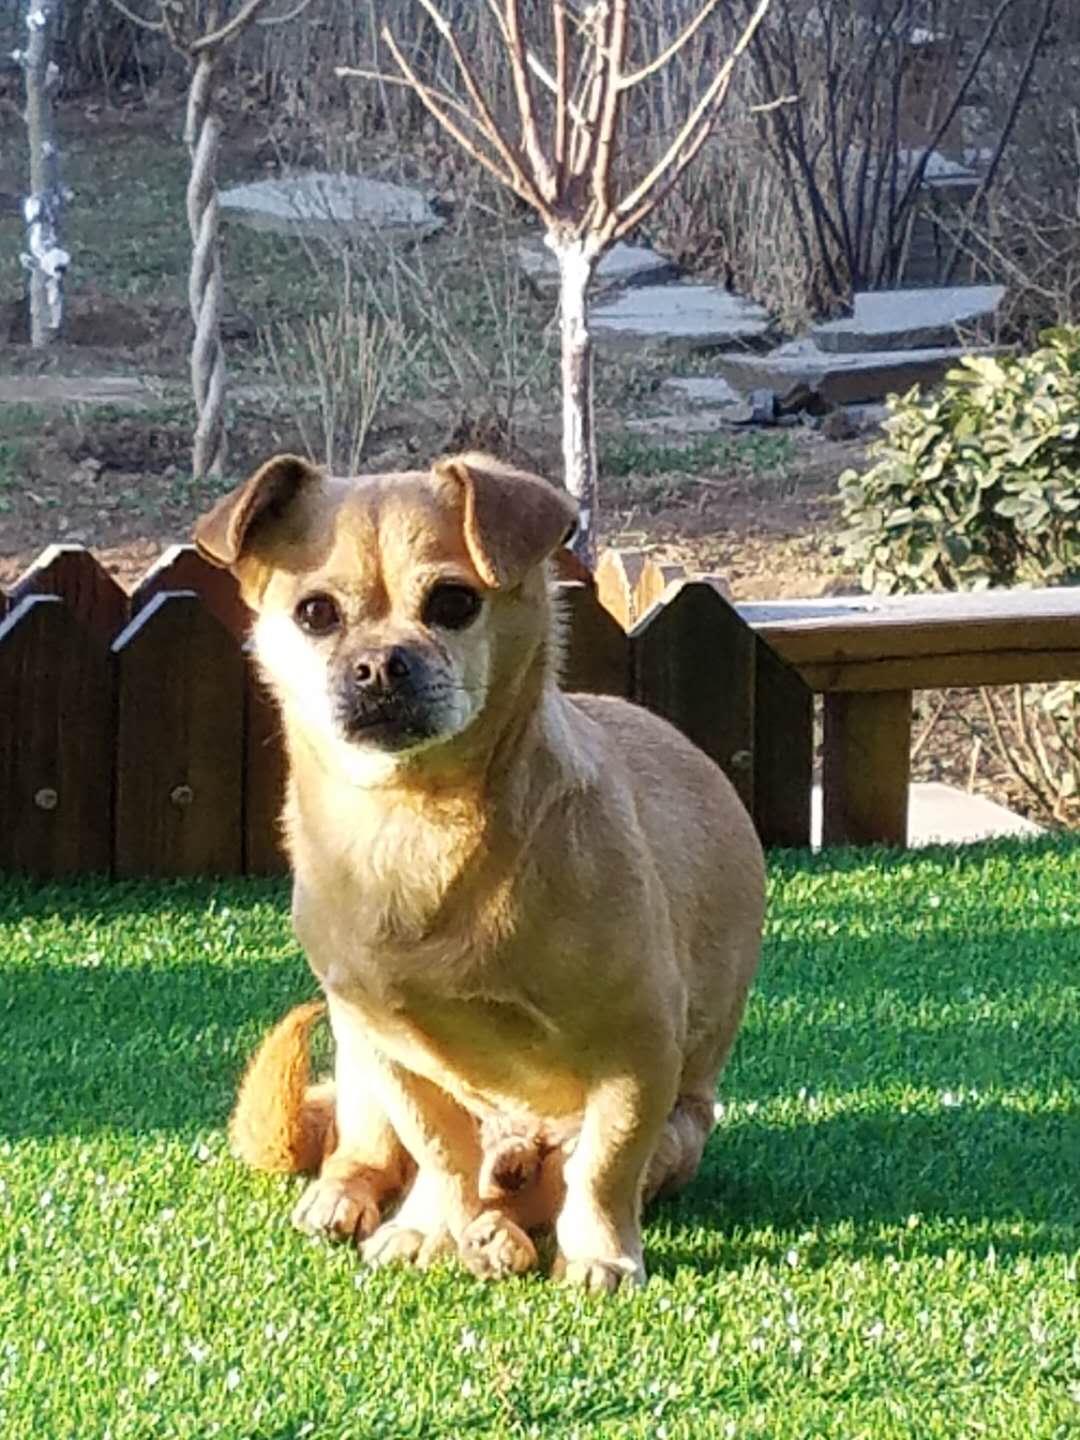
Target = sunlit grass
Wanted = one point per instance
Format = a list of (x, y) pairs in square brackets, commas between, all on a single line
[(883, 1242)]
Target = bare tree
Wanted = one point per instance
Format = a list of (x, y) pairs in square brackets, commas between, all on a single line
[(201, 34), (854, 170), (570, 106), (45, 258)]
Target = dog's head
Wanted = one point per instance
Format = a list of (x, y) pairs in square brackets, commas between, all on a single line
[(390, 609)]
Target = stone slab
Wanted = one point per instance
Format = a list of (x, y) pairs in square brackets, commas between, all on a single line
[(942, 814), (622, 265), (704, 390), (800, 367), (682, 317), (318, 203), (909, 319), (126, 392)]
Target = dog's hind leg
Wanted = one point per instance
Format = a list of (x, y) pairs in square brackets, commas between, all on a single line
[(678, 1153)]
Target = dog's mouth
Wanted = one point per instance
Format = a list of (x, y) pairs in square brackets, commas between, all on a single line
[(387, 723)]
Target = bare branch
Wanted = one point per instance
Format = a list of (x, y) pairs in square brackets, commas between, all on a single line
[(562, 102), (514, 179), (591, 81), (627, 82), (158, 26), (519, 71), (486, 123), (618, 34), (352, 72), (229, 31), (633, 208), (293, 14)]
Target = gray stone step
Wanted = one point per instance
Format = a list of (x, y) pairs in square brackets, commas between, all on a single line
[(800, 367), (683, 317), (910, 319)]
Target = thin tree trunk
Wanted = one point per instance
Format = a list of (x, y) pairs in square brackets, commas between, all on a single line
[(46, 260), (577, 260)]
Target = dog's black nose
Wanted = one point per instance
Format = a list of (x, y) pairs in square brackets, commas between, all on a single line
[(381, 670)]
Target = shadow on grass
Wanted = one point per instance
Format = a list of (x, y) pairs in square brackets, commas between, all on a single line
[(996, 1175), (141, 1051)]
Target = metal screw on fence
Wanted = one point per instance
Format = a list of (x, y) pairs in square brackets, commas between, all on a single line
[(46, 798), (182, 795)]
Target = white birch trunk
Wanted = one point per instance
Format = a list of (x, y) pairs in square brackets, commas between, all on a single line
[(45, 258), (577, 260)]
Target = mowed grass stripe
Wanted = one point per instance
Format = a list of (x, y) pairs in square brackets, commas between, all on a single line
[(883, 1242)]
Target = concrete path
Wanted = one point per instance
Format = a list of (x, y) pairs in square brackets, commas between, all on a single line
[(942, 814)]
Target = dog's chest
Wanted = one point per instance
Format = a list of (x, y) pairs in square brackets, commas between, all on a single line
[(492, 1055)]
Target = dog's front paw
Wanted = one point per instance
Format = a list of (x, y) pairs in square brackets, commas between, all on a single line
[(394, 1244), (493, 1247), (342, 1209), (600, 1276)]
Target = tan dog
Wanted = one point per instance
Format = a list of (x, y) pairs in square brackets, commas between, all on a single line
[(530, 912)]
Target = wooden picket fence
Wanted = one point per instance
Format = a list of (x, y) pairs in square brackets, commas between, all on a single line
[(136, 740)]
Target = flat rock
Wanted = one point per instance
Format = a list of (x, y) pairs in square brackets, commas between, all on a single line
[(325, 204), (909, 319), (838, 379), (621, 265), (682, 317), (126, 392), (704, 389)]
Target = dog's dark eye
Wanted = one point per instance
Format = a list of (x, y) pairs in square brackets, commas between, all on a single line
[(451, 607), (317, 614)]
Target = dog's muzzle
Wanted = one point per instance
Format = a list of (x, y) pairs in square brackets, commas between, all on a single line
[(383, 699)]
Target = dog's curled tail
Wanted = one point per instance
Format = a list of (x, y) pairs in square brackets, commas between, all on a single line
[(281, 1121)]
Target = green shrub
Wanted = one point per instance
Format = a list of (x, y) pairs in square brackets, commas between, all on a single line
[(979, 485)]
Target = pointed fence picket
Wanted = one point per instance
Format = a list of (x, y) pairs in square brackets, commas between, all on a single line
[(135, 737)]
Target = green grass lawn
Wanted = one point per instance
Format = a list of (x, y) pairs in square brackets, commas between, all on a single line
[(883, 1242)]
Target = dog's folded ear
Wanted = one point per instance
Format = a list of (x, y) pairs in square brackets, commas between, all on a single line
[(512, 520), (223, 532)]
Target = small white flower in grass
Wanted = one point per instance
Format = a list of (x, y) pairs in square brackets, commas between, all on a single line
[(876, 1330), (197, 1352), (46, 1199), (950, 1100), (232, 1379), (751, 1107), (469, 1339), (793, 1321), (712, 1346), (730, 1430), (934, 901), (757, 1344), (792, 1258), (201, 1152), (151, 1378), (466, 1387), (795, 1345), (719, 1111)]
